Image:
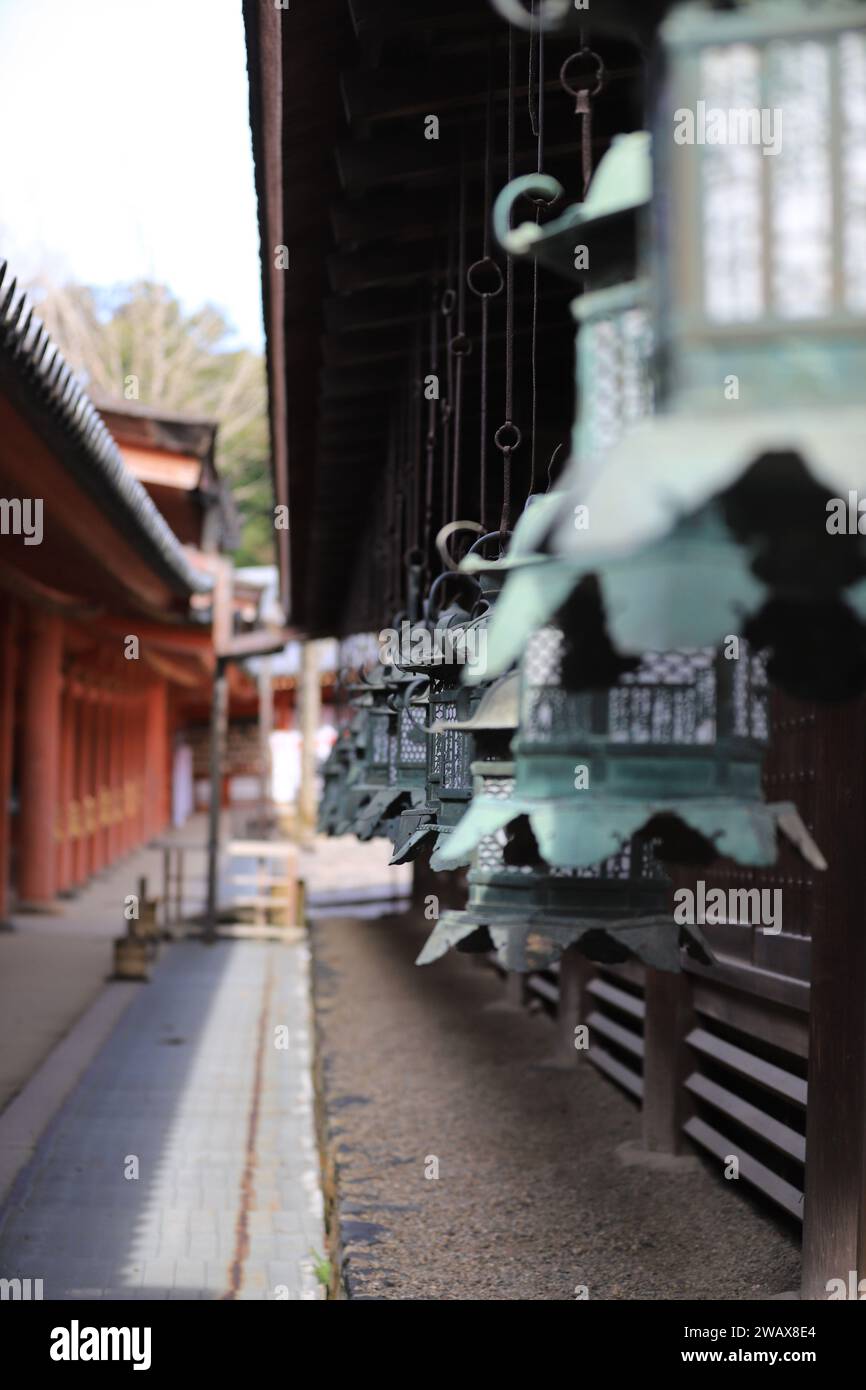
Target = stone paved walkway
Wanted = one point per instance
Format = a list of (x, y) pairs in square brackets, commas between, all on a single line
[(195, 1092)]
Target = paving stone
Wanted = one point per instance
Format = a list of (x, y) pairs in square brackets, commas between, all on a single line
[(183, 1112)]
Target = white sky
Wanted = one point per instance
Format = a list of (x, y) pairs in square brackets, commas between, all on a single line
[(125, 148)]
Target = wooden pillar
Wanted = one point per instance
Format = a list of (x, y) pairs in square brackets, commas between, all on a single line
[(834, 1213), (91, 802), (310, 705), (97, 754), (127, 705), (136, 762), (219, 724), (40, 760), (161, 759), (667, 1022), (8, 673), (147, 770), (138, 788), (114, 813), (575, 972), (266, 725), (79, 836), (67, 783)]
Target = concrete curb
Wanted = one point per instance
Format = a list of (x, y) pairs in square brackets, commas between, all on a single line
[(29, 1113)]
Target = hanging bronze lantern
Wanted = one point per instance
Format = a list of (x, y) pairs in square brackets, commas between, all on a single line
[(331, 812), (753, 466), (353, 791), (673, 752), (383, 781), (455, 638), (524, 907)]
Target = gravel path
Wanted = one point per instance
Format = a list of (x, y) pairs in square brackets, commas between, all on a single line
[(531, 1200)]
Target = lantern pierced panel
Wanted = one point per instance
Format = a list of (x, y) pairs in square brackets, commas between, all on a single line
[(852, 79), (798, 85), (730, 79), (412, 748), (615, 387)]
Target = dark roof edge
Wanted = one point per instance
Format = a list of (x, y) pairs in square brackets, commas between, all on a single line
[(263, 37), (52, 395)]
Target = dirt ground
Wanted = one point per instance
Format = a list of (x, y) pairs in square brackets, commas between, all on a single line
[(424, 1071)]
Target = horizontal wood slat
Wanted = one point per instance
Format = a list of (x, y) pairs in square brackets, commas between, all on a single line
[(617, 1071), (614, 1032), (618, 998), (768, 1182), (546, 989), (765, 1074), (780, 1136)]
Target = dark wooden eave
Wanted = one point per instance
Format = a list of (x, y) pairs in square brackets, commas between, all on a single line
[(366, 206)]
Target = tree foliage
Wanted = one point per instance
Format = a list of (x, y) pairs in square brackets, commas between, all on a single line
[(181, 364)]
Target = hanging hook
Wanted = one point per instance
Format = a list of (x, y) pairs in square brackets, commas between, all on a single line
[(550, 13), (445, 534), (583, 91)]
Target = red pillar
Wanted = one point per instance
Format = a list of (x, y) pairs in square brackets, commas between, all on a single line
[(132, 704), (40, 761), (105, 775), (148, 738), (141, 800), (115, 836), (120, 733), (67, 769), (8, 668), (91, 818), (160, 744), (79, 860), (122, 718)]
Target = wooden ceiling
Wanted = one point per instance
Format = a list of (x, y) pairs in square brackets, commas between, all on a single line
[(367, 208)]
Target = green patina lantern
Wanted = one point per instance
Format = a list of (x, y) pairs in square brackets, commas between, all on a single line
[(673, 752), (351, 791), (450, 642), (742, 494), (389, 749), (448, 780), (524, 907), (331, 812)]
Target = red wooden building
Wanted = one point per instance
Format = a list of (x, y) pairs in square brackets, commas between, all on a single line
[(111, 527)]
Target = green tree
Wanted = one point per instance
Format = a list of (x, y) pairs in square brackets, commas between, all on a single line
[(183, 365)]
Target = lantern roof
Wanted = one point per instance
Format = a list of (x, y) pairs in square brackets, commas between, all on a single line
[(525, 941), (668, 466), (580, 831)]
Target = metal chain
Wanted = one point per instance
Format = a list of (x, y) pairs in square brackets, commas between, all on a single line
[(459, 345), (448, 301), (433, 344), (538, 129), (416, 439), (508, 437), (484, 279), (583, 95)]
